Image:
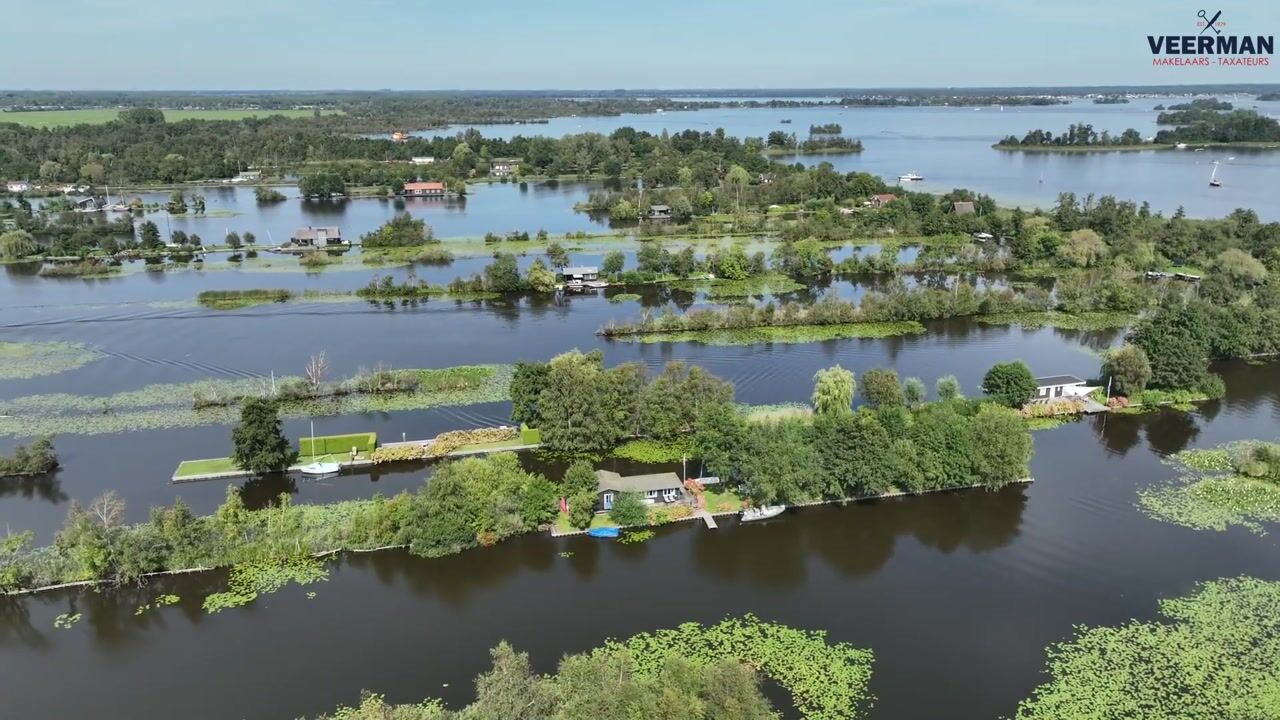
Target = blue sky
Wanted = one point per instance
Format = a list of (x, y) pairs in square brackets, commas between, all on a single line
[(487, 44)]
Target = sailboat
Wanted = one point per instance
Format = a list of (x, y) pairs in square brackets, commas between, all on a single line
[(1213, 177), (319, 468)]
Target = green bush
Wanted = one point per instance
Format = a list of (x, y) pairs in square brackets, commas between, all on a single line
[(629, 509), (338, 444)]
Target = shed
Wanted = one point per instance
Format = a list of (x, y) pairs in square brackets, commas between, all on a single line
[(317, 236), (659, 212)]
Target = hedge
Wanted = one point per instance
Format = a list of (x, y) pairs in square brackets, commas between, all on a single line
[(530, 436), (338, 444)]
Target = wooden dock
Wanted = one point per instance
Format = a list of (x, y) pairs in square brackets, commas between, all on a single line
[(707, 518)]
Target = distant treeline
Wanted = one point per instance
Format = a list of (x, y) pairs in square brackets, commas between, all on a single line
[(1078, 135)]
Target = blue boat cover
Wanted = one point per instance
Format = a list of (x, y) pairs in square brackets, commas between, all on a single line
[(603, 532)]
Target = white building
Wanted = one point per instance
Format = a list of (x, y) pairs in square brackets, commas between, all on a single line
[(422, 160), (17, 186), (1053, 387)]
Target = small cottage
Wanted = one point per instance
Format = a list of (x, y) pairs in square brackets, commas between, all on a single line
[(657, 487), (659, 212), (1053, 387), (579, 274), (317, 237), (424, 189), (503, 168), (879, 201)]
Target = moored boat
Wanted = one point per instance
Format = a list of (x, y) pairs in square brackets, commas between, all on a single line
[(603, 532), (764, 512)]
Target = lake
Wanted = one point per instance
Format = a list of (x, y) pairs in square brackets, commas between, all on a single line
[(957, 594)]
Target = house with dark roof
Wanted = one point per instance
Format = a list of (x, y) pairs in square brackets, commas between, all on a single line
[(659, 212), (1052, 387), (654, 488), (962, 208), (579, 274), (317, 237)]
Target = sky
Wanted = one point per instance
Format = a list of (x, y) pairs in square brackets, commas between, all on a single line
[(601, 44)]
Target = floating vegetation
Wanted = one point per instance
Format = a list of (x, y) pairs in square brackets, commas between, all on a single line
[(1085, 321), (655, 451), (636, 537), (623, 297), (171, 405), (235, 299), (827, 681), (258, 577), (23, 360), (66, 620), (162, 601), (787, 334), (1237, 484), (1035, 424), (719, 289), (1213, 656)]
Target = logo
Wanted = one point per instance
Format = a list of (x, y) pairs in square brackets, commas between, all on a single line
[(1211, 46)]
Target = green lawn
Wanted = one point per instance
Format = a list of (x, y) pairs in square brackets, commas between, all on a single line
[(94, 116), (598, 520), (190, 468), (719, 501)]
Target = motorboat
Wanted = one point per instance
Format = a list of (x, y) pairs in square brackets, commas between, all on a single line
[(764, 512), (910, 177)]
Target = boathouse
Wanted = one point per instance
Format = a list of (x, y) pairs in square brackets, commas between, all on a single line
[(657, 487), (424, 189)]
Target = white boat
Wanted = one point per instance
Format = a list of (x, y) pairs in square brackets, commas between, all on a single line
[(320, 468), (764, 512), (1213, 177), (910, 177), (1180, 146)]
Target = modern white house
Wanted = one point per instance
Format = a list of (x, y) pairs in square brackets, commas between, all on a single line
[(656, 488), (1053, 387)]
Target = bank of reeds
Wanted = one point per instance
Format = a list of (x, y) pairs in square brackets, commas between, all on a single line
[(234, 299)]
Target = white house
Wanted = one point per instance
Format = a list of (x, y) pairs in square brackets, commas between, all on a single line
[(423, 160), (17, 186), (1053, 387)]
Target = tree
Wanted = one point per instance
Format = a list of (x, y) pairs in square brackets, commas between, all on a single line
[(629, 508), (779, 464), (527, 382), (1011, 384), (503, 274), (540, 278), (510, 690), (150, 235), (400, 231), (557, 255), (947, 388), (1082, 248), (17, 244), (50, 170), (852, 451), (582, 508), (580, 407), (249, 239), (719, 439), (177, 203), (233, 240), (1128, 368), (316, 370), (735, 180), (322, 184), (141, 116), (913, 391), (1241, 268), (260, 446), (624, 211), (880, 388), (1176, 340), (652, 258), (613, 262), (579, 479), (1002, 444), (833, 391)]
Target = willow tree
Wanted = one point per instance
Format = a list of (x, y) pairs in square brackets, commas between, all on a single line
[(833, 391)]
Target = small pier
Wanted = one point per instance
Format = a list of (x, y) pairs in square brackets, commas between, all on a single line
[(708, 518)]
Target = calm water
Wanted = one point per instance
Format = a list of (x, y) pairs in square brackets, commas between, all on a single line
[(958, 594), (951, 147)]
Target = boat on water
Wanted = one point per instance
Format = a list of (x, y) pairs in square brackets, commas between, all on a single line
[(320, 468), (786, 121), (764, 512), (603, 532), (1213, 177), (910, 177)]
